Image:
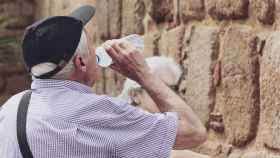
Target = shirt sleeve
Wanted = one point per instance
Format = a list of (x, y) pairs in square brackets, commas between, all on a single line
[(142, 134)]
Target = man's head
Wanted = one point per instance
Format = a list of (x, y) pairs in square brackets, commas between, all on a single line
[(164, 68), (59, 47)]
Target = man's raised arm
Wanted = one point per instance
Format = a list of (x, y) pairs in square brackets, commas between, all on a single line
[(130, 62)]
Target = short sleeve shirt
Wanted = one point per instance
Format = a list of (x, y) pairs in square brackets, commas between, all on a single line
[(67, 120)]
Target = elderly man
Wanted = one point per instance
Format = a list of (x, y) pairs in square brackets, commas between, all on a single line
[(169, 72), (61, 117)]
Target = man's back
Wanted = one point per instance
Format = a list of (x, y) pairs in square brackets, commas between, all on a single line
[(65, 119)]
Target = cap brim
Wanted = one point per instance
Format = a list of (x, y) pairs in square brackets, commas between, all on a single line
[(83, 13)]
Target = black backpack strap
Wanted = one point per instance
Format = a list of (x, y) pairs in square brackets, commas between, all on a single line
[(21, 125)]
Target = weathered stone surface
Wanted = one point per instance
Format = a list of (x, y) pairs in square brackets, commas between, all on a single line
[(277, 13), (227, 9), (234, 155), (60, 7), (238, 95), (108, 17), (2, 84), (270, 92), (44, 8), (163, 44), (192, 10), (9, 51), (186, 153), (17, 8), (115, 7), (215, 149), (8, 70), (19, 22), (27, 8), (110, 79), (133, 12), (171, 42), (259, 154), (10, 9), (160, 10), (113, 82), (151, 44), (102, 17), (17, 83), (184, 53), (265, 11), (202, 54), (98, 87)]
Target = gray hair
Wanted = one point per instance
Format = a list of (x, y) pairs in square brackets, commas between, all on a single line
[(43, 68), (163, 67)]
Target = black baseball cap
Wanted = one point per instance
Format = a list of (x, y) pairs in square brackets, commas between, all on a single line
[(55, 39)]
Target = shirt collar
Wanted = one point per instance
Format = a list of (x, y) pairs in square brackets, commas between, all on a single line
[(52, 83)]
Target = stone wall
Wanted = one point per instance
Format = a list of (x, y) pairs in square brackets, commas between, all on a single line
[(228, 50), (15, 15)]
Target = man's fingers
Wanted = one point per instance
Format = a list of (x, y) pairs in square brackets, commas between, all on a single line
[(128, 47), (117, 46), (111, 52), (115, 67)]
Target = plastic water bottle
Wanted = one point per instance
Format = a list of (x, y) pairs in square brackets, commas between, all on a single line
[(104, 60)]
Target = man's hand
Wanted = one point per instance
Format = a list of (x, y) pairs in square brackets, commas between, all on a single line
[(127, 60)]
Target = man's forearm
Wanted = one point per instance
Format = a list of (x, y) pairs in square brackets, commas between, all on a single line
[(191, 131), (166, 99)]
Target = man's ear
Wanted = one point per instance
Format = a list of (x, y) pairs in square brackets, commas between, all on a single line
[(79, 63)]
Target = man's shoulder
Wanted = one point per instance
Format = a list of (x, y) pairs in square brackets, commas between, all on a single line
[(105, 101)]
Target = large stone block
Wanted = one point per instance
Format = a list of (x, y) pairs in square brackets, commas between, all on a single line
[(60, 7), (160, 10), (133, 12), (237, 97), (113, 82), (171, 42), (108, 15), (265, 10), (202, 52), (270, 92), (277, 13), (227, 9), (27, 8), (42, 9), (110, 82), (10, 9), (115, 22), (102, 17), (192, 10)]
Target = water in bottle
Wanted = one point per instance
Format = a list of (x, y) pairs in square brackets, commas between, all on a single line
[(104, 60)]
